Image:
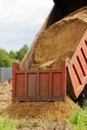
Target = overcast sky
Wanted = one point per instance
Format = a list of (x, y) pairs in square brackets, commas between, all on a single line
[(20, 20)]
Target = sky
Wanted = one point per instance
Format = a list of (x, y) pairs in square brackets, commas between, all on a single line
[(20, 21)]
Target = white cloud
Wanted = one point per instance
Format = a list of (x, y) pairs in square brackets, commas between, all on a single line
[(22, 10), (20, 20)]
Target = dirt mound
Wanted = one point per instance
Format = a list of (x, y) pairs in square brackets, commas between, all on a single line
[(5, 93), (60, 40), (57, 110)]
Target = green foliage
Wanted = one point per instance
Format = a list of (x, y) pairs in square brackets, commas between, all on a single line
[(22, 52), (12, 54), (6, 123), (74, 118), (85, 105), (5, 60), (79, 119)]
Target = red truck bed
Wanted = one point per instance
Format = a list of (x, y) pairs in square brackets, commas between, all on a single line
[(50, 85), (77, 67), (47, 85)]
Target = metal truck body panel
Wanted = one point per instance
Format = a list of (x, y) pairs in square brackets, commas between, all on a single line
[(77, 67), (49, 85), (40, 85)]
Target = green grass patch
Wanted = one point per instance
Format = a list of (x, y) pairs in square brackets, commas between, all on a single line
[(7, 123), (78, 119)]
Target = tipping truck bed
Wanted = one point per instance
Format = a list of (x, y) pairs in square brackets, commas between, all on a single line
[(60, 9), (40, 85), (68, 6), (77, 68), (50, 85)]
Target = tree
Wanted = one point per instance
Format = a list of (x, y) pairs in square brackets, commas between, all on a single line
[(13, 54), (22, 52), (5, 60)]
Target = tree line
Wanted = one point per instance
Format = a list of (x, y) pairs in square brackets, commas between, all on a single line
[(7, 58)]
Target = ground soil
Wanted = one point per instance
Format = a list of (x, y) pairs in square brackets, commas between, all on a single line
[(58, 110), (45, 125), (5, 94)]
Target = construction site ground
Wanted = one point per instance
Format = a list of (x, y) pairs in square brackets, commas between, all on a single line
[(50, 46)]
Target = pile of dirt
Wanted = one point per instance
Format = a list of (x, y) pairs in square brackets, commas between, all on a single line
[(51, 113), (58, 110), (60, 41), (5, 94)]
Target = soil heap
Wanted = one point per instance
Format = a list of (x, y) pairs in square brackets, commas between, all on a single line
[(57, 110), (5, 94)]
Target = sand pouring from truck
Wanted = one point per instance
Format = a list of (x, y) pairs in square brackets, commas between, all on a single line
[(53, 84)]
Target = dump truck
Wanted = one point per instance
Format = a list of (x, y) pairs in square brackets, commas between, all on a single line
[(51, 84), (58, 12)]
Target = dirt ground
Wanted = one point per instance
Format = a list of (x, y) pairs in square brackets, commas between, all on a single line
[(58, 110), (5, 94), (46, 125)]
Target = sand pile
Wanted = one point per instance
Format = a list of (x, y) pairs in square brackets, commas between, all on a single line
[(60, 40), (5, 93), (57, 110)]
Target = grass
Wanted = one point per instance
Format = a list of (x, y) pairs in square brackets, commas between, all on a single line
[(78, 119), (7, 123)]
